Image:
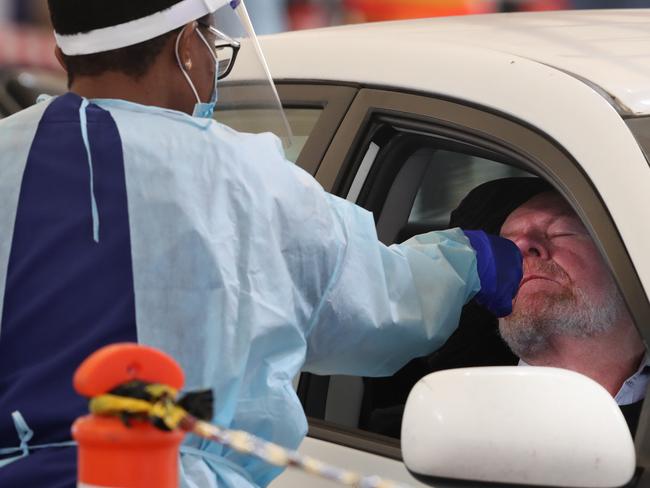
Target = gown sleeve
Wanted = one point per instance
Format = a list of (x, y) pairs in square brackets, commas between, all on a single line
[(367, 308), (386, 305)]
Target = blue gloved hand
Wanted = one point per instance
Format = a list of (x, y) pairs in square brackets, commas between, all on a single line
[(499, 264)]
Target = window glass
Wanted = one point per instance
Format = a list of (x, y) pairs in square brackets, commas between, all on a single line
[(301, 120), (416, 184)]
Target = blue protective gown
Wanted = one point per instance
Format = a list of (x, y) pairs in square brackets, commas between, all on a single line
[(146, 224)]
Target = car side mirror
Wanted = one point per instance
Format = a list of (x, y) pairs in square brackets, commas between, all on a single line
[(519, 425)]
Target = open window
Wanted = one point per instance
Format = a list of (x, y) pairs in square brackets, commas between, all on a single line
[(411, 180), (410, 160)]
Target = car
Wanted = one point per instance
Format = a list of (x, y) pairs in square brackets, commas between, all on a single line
[(404, 118)]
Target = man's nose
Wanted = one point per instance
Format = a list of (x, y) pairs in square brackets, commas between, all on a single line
[(532, 246)]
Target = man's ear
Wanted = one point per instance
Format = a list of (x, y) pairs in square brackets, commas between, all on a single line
[(59, 57), (185, 40)]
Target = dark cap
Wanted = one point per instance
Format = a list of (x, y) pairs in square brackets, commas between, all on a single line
[(80, 16), (487, 206)]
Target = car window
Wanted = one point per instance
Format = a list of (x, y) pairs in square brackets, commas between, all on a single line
[(412, 182), (301, 120), (314, 112), (413, 185), (410, 159)]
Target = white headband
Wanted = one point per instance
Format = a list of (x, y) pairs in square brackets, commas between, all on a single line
[(139, 30)]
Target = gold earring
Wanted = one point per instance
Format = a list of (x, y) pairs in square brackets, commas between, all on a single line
[(188, 64)]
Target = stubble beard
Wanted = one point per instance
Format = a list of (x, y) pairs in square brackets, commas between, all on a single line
[(539, 317)]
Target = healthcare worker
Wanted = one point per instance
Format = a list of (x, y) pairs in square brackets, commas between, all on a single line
[(125, 218)]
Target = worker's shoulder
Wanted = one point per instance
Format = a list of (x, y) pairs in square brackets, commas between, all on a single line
[(138, 121), (174, 135)]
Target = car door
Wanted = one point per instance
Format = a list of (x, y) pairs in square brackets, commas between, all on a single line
[(409, 159)]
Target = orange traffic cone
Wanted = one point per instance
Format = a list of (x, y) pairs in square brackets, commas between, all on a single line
[(111, 454)]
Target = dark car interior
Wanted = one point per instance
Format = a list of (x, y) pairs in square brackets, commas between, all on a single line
[(414, 185), (20, 87), (476, 342), (438, 175), (437, 184)]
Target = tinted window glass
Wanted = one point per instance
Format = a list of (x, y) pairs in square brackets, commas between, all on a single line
[(302, 121), (416, 185)]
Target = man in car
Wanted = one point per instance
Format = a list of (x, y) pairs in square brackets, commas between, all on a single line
[(568, 312)]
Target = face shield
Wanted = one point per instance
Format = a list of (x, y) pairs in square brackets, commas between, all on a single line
[(227, 28), (239, 53)]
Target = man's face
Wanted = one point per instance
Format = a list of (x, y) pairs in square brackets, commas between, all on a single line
[(567, 289)]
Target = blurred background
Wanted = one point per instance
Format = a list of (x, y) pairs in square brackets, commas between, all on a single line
[(272, 16), (27, 44), (25, 37)]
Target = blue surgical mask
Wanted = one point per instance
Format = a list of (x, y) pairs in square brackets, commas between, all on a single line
[(203, 110)]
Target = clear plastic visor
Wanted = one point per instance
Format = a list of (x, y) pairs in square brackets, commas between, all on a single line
[(242, 66)]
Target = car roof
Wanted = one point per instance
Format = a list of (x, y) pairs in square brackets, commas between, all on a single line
[(608, 49)]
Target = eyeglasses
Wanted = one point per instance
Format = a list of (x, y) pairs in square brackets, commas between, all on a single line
[(226, 50)]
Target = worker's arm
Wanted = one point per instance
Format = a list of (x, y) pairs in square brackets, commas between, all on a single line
[(386, 305)]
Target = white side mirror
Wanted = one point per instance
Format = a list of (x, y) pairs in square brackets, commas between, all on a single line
[(521, 425)]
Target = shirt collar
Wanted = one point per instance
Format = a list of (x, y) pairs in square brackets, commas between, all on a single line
[(633, 388)]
